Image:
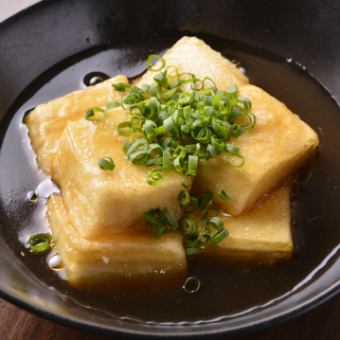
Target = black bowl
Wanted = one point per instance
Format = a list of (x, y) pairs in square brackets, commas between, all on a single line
[(39, 39)]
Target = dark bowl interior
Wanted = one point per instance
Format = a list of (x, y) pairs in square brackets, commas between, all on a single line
[(39, 40)]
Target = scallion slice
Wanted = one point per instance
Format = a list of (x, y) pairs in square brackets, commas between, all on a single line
[(95, 113), (152, 61), (106, 163), (222, 194), (125, 129), (39, 243), (121, 87), (154, 177)]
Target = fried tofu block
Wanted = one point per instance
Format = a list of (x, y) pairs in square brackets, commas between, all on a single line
[(278, 144), (117, 256), (262, 235), (98, 201), (47, 121), (193, 55)]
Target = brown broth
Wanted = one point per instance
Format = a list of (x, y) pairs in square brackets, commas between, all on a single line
[(226, 288)]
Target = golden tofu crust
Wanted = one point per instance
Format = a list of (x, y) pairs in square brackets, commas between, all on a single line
[(99, 201), (47, 121), (131, 254), (279, 143), (262, 235)]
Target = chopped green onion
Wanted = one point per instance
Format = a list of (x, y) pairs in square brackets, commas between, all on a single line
[(205, 199), (120, 86), (149, 128), (125, 129), (167, 161), (139, 157), (232, 89), (208, 80), (95, 113), (213, 212), (126, 146), (186, 182), (235, 161), (112, 105), (154, 177), (39, 243), (169, 218), (222, 194), (160, 221), (152, 60), (184, 199), (172, 71), (219, 236), (154, 221), (189, 227), (192, 165), (170, 127), (191, 247), (236, 130), (192, 206), (106, 163), (245, 102), (216, 222)]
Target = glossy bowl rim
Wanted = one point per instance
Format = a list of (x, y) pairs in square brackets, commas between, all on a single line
[(82, 324)]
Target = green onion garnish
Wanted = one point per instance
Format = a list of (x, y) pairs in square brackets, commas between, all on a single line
[(189, 119), (155, 177), (95, 113), (120, 86), (205, 199), (222, 194), (154, 221), (219, 236), (112, 105), (106, 163), (169, 218), (39, 243), (125, 129), (152, 60), (178, 122), (189, 227), (198, 225), (184, 199)]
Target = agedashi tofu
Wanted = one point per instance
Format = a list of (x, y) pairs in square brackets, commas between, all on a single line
[(263, 235), (278, 144), (99, 201), (47, 121), (116, 256), (193, 55)]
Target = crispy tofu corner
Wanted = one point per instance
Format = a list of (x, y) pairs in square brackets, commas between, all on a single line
[(279, 143), (263, 235), (96, 200), (116, 256), (47, 121), (193, 55)]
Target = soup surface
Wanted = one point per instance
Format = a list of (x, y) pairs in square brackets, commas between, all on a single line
[(226, 288)]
